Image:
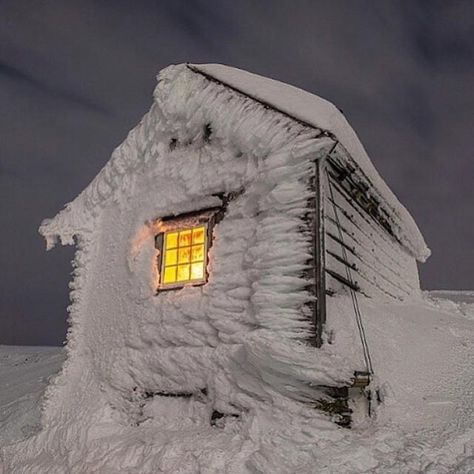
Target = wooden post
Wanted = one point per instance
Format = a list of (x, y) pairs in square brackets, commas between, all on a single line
[(319, 316)]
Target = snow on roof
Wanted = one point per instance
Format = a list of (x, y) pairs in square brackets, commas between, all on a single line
[(320, 113), (306, 109), (297, 103)]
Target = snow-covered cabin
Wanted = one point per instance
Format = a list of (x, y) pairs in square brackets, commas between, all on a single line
[(212, 244)]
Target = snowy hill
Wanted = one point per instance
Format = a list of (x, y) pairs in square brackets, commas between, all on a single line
[(423, 355)]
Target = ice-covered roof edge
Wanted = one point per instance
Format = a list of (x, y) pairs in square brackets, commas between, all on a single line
[(314, 111)]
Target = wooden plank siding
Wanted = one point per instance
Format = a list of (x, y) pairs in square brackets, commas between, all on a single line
[(360, 237)]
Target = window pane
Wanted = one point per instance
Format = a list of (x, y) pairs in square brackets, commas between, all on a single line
[(171, 257), (197, 253), (199, 235), (197, 271), (171, 240), (170, 275), (185, 238), (184, 255), (183, 272)]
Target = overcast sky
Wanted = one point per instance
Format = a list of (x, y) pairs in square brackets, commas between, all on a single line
[(75, 76)]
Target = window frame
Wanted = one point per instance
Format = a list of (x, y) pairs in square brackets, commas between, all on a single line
[(205, 217)]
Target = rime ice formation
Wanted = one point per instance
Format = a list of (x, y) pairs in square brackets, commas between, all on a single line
[(235, 346), (323, 115)]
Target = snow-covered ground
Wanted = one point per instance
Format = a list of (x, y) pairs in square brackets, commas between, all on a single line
[(24, 374), (423, 354)]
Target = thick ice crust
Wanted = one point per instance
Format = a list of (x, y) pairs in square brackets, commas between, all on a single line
[(238, 346)]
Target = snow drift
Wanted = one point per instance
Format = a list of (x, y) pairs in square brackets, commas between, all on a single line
[(424, 355)]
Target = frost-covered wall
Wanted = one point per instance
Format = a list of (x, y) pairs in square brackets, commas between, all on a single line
[(240, 339), (237, 345)]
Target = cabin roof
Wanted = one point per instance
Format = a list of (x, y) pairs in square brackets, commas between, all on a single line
[(300, 106), (317, 112)]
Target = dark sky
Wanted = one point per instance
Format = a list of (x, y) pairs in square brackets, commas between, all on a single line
[(75, 76)]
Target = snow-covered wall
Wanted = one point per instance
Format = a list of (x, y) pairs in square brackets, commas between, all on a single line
[(236, 346), (239, 340)]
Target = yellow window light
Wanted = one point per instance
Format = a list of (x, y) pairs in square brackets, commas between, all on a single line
[(171, 240), (183, 273), (199, 235), (184, 238), (169, 275), (184, 254), (197, 253), (197, 271), (184, 257), (171, 257)]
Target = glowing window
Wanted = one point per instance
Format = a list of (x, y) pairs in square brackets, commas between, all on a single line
[(184, 257)]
